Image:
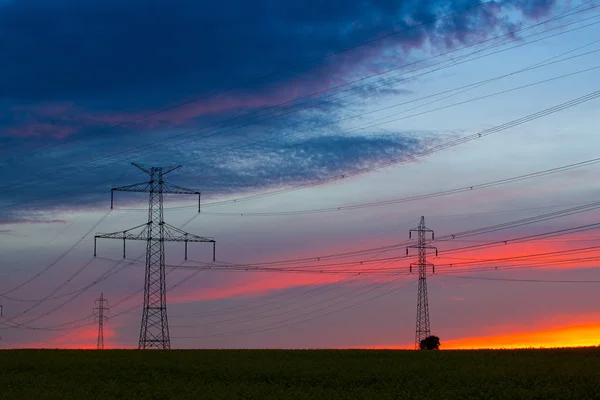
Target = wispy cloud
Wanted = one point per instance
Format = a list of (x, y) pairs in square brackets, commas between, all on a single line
[(106, 63), (110, 59)]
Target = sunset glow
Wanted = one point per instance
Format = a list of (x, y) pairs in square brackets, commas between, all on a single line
[(294, 169)]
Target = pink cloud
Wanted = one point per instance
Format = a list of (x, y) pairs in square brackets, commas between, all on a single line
[(38, 129), (337, 70), (254, 284)]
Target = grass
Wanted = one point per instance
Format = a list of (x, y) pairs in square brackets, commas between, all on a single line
[(318, 374)]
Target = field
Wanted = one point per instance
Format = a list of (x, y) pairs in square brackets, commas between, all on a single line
[(280, 374)]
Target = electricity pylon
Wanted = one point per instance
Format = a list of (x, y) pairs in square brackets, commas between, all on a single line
[(422, 329), (154, 330), (99, 315)]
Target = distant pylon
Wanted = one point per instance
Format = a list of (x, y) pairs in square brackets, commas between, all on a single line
[(154, 330), (422, 329), (99, 314)]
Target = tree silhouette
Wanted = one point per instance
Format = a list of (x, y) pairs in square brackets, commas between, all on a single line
[(430, 343)]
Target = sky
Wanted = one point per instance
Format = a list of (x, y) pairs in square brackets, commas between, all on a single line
[(318, 135)]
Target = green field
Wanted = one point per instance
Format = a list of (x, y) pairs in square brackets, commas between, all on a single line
[(280, 374)]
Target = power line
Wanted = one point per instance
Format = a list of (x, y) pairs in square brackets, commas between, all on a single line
[(26, 325), (263, 314), (518, 258), (463, 189), (509, 35), (68, 325), (249, 317), (360, 270), (278, 135), (222, 311), (527, 238), (489, 229), (102, 277), (443, 272), (587, 281), (452, 143), (252, 304), (331, 54), (539, 264), (523, 221), (492, 243), (269, 328), (287, 322), (49, 266), (350, 207)]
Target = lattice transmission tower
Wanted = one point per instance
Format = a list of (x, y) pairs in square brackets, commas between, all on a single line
[(154, 330), (422, 329), (101, 318)]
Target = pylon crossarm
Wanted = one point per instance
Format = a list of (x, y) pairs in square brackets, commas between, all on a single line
[(176, 189), (136, 187), (420, 229), (174, 234), (170, 169), (149, 172), (425, 248), (416, 246), (128, 234), (141, 168)]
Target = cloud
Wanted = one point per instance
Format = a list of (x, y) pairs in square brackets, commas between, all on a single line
[(256, 286), (78, 69), (118, 60), (252, 168), (40, 220)]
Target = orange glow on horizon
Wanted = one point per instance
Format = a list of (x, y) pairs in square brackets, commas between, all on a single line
[(579, 334), (84, 338)]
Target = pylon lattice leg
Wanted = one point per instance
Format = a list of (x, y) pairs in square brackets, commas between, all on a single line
[(154, 331), (99, 313), (423, 329)]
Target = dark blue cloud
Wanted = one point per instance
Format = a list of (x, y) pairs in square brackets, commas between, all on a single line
[(82, 67), (78, 68), (265, 167), (131, 54)]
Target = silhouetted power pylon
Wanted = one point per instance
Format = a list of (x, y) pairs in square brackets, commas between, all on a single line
[(154, 331), (101, 318), (422, 329)]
